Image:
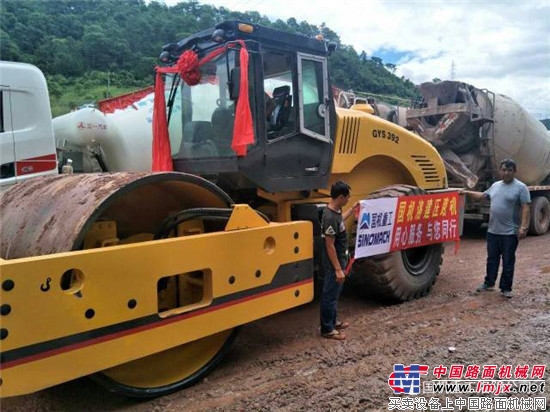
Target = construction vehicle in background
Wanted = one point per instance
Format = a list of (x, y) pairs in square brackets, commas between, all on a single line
[(473, 130), (142, 279)]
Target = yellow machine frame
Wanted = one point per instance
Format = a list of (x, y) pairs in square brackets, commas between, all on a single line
[(88, 316)]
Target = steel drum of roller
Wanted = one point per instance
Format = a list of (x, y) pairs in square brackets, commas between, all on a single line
[(53, 214)]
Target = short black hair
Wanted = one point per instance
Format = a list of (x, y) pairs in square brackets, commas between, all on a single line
[(508, 163), (339, 188)]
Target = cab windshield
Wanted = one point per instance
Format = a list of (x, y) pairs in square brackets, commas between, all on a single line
[(202, 116)]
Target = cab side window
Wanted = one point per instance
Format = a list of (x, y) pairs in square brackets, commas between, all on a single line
[(278, 94), (313, 97)]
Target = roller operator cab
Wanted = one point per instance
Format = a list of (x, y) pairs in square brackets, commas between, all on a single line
[(292, 115), (300, 142)]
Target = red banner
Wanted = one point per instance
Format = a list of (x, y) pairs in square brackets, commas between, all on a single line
[(426, 219)]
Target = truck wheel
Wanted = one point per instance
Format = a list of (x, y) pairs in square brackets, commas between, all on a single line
[(402, 275), (540, 216)]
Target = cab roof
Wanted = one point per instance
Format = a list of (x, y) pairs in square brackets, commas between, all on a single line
[(235, 30)]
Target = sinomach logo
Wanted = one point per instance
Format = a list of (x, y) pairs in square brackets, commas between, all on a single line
[(375, 220), (365, 221)]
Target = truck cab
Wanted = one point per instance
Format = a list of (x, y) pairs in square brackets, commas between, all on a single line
[(27, 144)]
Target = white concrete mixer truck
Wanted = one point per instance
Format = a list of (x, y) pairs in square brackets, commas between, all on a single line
[(474, 130)]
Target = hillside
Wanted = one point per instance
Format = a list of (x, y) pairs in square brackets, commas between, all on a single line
[(94, 49)]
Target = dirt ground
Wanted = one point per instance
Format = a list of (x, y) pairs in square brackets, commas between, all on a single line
[(282, 364)]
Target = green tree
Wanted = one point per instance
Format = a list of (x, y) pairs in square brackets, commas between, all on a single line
[(391, 67), (96, 49), (377, 61), (9, 50)]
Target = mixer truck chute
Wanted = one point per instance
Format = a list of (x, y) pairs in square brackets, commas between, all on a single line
[(149, 274), (473, 130), (392, 113)]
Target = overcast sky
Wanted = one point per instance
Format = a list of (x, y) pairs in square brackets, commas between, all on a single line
[(500, 45)]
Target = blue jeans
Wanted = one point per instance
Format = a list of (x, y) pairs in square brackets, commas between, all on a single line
[(501, 246), (329, 300)]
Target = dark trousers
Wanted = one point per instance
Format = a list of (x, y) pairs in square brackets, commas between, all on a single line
[(329, 300), (501, 246)]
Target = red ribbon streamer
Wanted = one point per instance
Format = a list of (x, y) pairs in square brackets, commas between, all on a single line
[(187, 67), (243, 134)]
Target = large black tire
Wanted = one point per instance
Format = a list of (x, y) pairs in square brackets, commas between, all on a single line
[(402, 275), (540, 216)]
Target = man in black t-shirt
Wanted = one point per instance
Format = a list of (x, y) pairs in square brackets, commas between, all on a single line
[(335, 259)]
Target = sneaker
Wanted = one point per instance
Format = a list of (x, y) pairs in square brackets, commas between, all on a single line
[(507, 293), (485, 287)]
